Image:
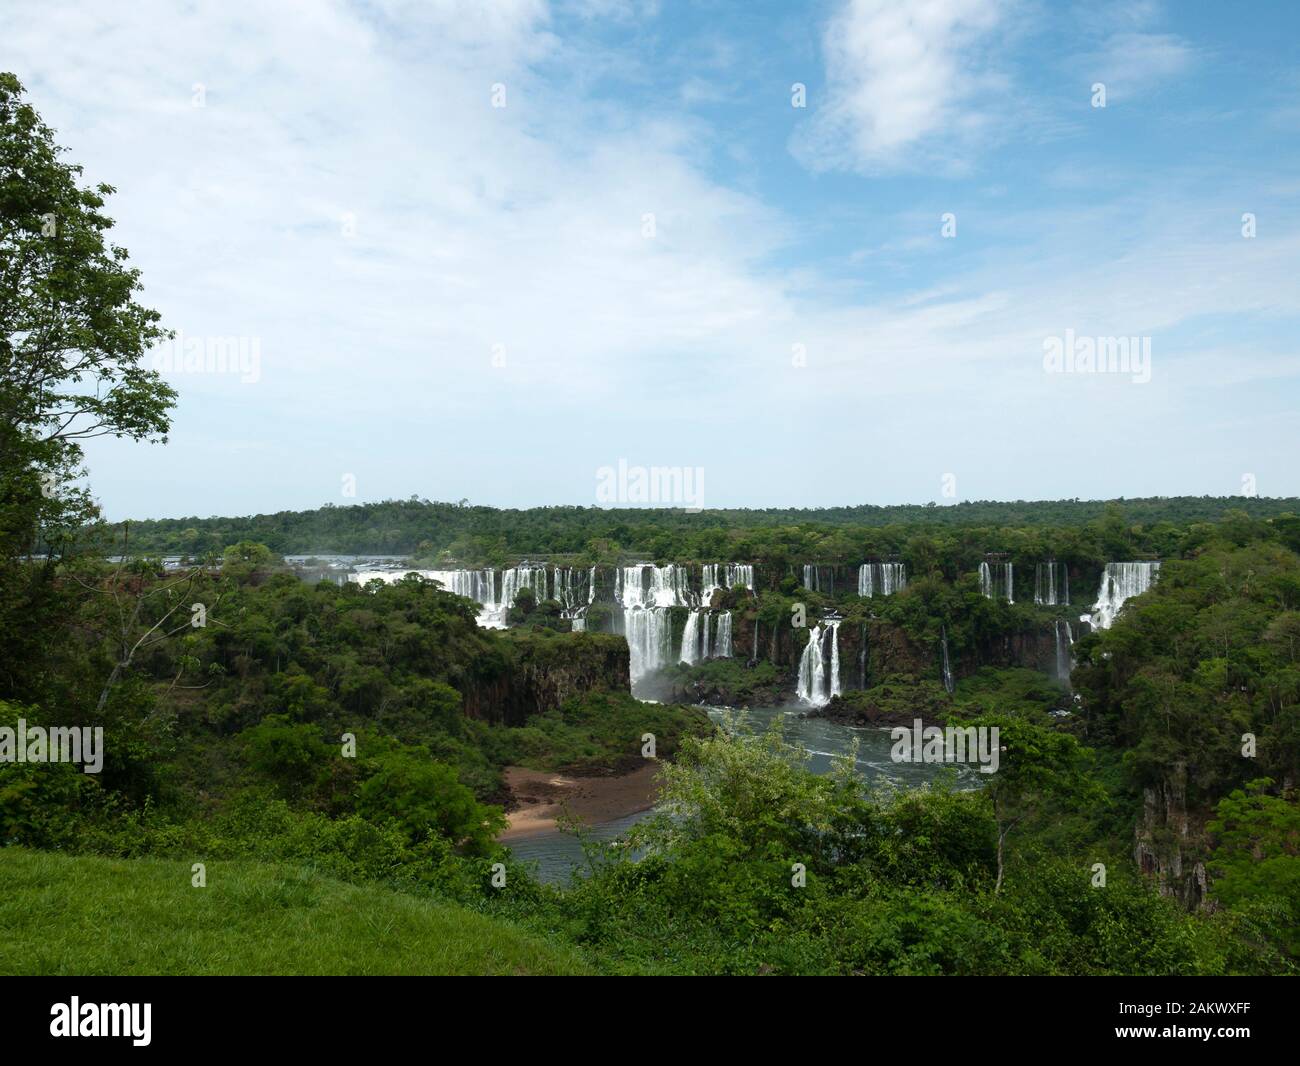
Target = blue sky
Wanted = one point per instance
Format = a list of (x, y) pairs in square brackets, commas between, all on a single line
[(452, 299)]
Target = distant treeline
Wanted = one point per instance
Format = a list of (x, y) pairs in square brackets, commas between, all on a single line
[(426, 529)]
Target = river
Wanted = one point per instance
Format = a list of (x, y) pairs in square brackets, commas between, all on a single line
[(558, 855)]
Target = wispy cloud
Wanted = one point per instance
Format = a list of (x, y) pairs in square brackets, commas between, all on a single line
[(349, 195), (1131, 63), (908, 83)]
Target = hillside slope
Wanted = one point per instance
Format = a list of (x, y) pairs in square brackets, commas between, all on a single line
[(90, 916)]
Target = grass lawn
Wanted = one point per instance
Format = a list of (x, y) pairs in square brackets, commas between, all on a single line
[(89, 916)]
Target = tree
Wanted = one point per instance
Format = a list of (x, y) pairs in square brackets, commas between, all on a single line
[(426, 797), (72, 341), (72, 335), (1257, 853), (1038, 766)]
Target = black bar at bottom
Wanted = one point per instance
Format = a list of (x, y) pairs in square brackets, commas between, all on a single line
[(337, 1014)]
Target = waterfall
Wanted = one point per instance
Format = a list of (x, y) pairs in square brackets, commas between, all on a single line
[(755, 638), (476, 585), (997, 581), (881, 579), (1064, 658), (518, 578), (646, 592), (703, 638), (1119, 582), (714, 576), (691, 638), (567, 587), (947, 665), (568, 591), (562, 583), (816, 684), (1048, 591), (835, 658), (708, 581), (649, 632), (647, 585), (819, 578), (811, 670), (722, 645)]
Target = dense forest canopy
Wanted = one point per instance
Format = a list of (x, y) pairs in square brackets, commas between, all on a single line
[(478, 534)]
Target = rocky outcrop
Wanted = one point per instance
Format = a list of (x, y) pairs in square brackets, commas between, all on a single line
[(899, 701), (540, 670), (1034, 649), (1168, 841)]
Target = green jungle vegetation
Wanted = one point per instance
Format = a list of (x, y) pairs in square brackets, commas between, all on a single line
[(331, 756)]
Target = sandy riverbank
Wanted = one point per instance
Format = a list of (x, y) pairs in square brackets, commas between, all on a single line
[(544, 797)]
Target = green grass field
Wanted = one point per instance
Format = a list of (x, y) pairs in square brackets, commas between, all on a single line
[(88, 916)]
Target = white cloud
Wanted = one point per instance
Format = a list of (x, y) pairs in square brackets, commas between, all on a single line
[(908, 82), (522, 226)]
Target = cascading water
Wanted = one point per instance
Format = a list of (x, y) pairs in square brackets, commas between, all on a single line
[(1051, 584), (567, 587), (1119, 582), (522, 577), (722, 646), (646, 592), (881, 579), (714, 576), (819, 578), (835, 658), (691, 638), (707, 636), (816, 683), (649, 635), (646, 585), (811, 669), (997, 581), (477, 585), (1064, 657), (947, 665)]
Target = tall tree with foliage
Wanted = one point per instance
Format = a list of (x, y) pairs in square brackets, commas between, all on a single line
[(73, 338)]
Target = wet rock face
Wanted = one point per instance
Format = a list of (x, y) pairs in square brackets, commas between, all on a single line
[(1169, 841), (539, 675)]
